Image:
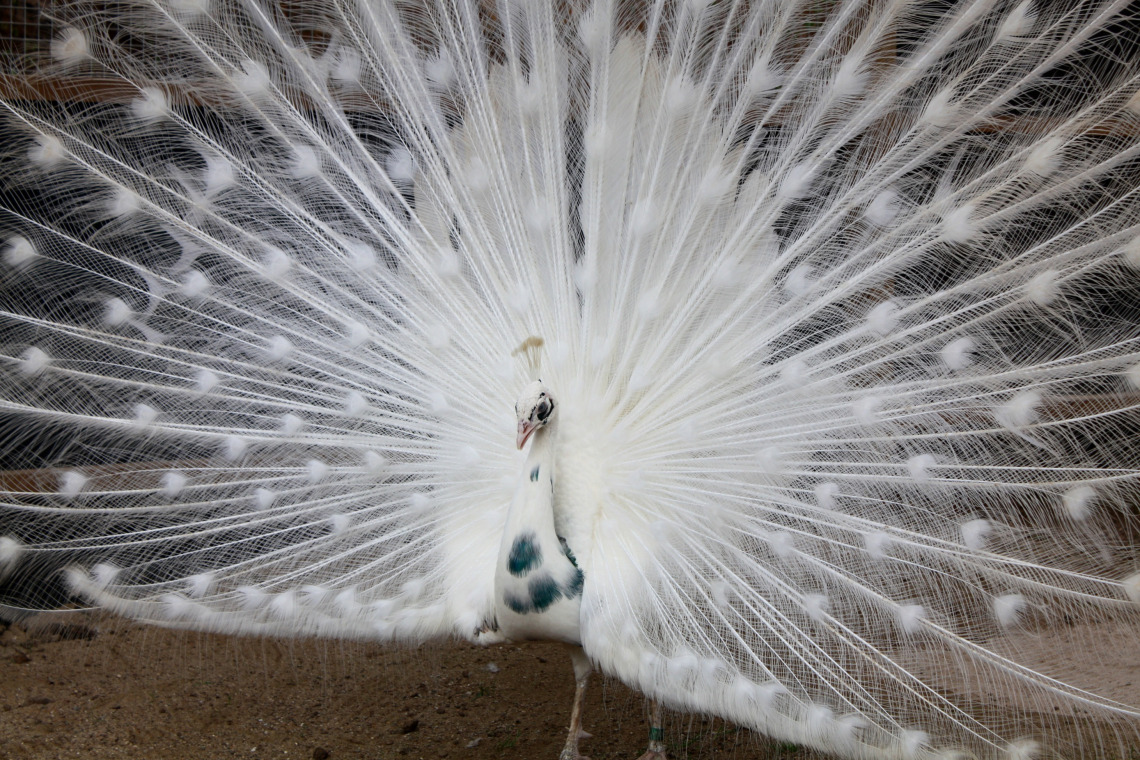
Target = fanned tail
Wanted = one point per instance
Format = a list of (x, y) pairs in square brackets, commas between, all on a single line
[(839, 304)]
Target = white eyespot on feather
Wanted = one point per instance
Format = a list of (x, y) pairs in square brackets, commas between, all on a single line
[(10, 552), (284, 604), (206, 380), (264, 498), (172, 484), (276, 264), (910, 617), (1131, 252), (476, 175), (340, 523), (877, 544), (1043, 288), (781, 543), (957, 354), (941, 111), (124, 202), (356, 334), (194, 284), (771, 461), (1008, 609), (437, 402), (1045, 158), (355, 405), (797, 182), (316, 471), (306, 163), (766, 694), (145, 415), (919, 466), (975, 533), (151, 105), (47, 152), (592, 29), (116, 312), (680, 95), (793, 372), (585, 276), (177, 607), (1024, 749), (400, 166), (420, 503), (374, 463), (799, 280), (254, 80), (913, 744), (291, 423), (644, 219), (251, 598), (200, 585), (346, 66), (884, 208), (361, 256), (959, 226), (469, 456), (866, 410), (279, 347), (234, 447), (71, 483), (70, 47), (1131, 586), (1020, 411), (762, 76), (313, 595), (1018, 22), (715, 185), (33, 361), (719, 591), (682, 667), (850, 79), (816, 606), (819, 722), (1078, 501), (346, 602), (825, 494), (104, 575), (19, 252), (440, 71)]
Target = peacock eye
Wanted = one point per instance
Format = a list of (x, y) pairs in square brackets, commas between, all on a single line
[(542, 411)]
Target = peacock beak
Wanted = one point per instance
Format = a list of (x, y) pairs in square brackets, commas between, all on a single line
[(526, 429)]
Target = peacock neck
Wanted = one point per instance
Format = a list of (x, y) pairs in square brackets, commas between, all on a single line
[(538, 587)]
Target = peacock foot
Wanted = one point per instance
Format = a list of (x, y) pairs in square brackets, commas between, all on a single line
[(571, 754), (654, 755)]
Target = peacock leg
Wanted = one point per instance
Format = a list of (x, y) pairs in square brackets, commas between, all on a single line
[(656, 750), (582, 670)]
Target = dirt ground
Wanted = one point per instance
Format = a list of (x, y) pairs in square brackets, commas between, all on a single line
[(99, 688), (77, 686)]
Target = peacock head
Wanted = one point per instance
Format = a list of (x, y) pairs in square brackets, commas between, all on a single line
[(535, 409)]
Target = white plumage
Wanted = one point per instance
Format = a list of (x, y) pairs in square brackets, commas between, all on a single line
[(837, 300)]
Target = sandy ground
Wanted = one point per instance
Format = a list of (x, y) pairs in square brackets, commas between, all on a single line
[(111, 689)]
